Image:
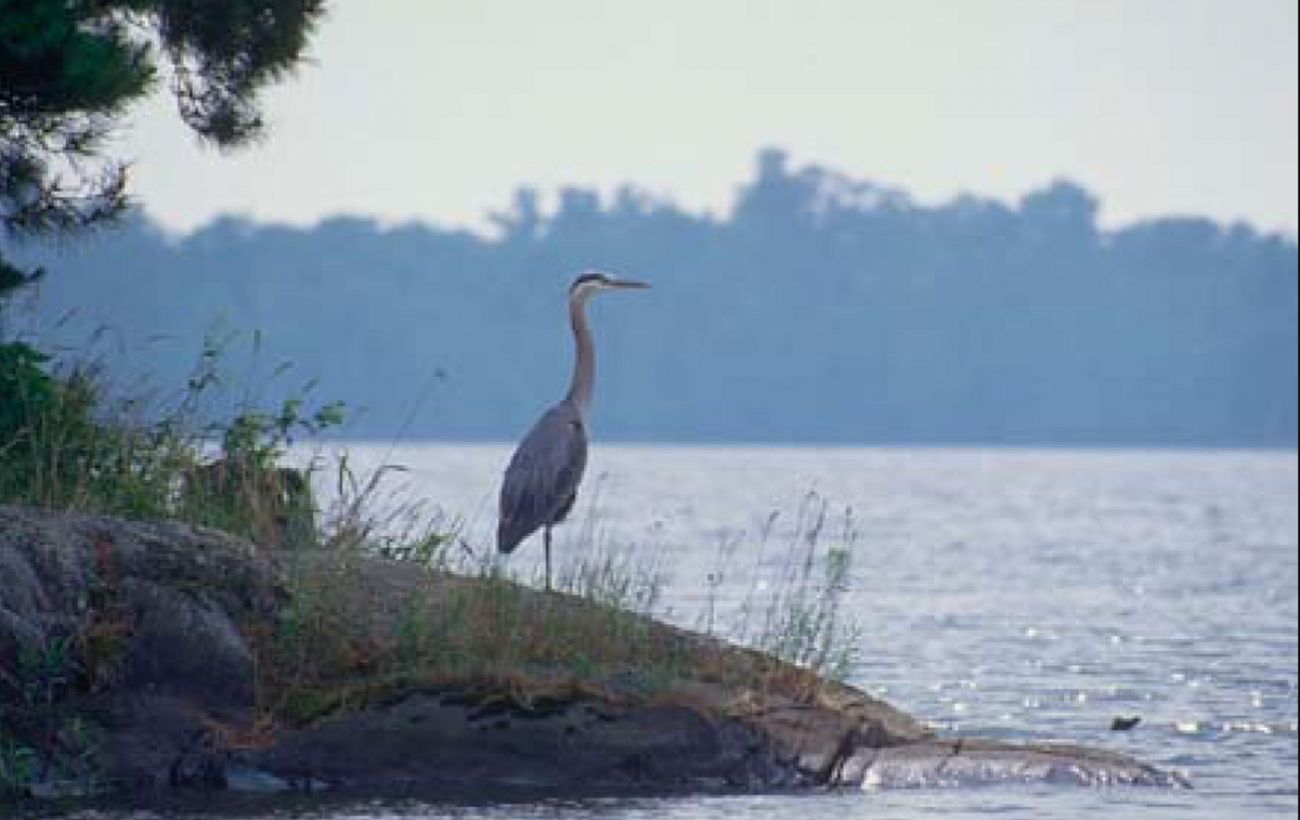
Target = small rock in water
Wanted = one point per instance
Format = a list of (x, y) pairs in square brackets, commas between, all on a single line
[(254, 781), (1123, 724)]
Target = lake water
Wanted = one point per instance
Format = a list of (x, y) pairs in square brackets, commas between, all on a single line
[(1032, 594)]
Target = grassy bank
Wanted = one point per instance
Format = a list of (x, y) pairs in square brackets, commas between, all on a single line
[(379, 598)]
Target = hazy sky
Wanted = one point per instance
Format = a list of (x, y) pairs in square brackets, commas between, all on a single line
[(438, 110)]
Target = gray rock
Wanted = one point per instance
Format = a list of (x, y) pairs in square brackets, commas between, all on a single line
[(973, 762), (437, 742), (168, 594), (155, 742), (246, 780), (156, 611), (153, 610), (183, 643)]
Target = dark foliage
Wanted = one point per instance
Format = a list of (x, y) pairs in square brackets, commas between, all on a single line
[(70, 68)]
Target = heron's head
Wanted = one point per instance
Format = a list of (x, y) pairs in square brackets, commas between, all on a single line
[(594, 281)]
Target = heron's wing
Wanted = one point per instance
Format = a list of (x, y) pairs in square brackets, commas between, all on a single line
[(543, 475)]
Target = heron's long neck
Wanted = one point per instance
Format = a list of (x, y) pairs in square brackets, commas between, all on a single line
[(584, 364)]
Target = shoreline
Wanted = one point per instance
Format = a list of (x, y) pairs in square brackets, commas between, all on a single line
[(196, 668)]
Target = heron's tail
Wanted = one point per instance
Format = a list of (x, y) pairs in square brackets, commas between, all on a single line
[(510, 535)]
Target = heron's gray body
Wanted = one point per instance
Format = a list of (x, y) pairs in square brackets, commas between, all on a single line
[(542, 480)]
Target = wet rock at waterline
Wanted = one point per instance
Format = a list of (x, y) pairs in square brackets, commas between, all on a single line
[(143, 638), (968, 762)]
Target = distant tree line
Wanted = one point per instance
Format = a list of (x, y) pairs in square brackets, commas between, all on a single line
[(821, 309)]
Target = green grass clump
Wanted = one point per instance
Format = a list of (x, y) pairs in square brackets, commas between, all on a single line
[(57, 450), (43, 736), (18, 766), (67, 443), (800, 617), (435, 616), (358, 630)]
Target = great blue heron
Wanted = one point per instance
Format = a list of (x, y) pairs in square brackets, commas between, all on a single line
[(542, 480)]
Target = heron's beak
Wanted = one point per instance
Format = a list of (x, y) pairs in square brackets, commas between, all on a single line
[(628, 284)]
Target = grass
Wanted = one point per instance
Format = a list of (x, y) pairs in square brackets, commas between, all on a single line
[(43, 738), (18, 766), (436, 616), (383, 597), (431, 614), (69, 441), (800, 618)]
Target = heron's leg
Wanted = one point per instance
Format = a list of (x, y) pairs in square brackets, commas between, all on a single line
[(546, 540)]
